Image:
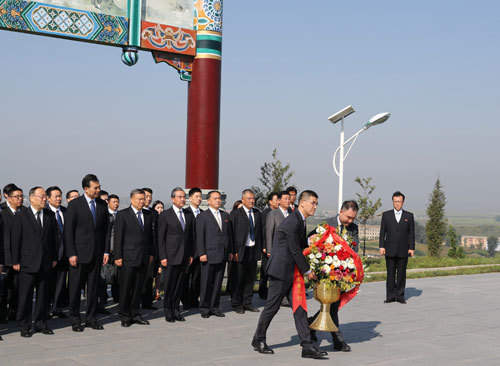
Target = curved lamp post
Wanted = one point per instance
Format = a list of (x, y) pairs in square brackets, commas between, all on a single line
[(339, 116)]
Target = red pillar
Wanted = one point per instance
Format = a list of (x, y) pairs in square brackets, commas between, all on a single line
[(203, 124)]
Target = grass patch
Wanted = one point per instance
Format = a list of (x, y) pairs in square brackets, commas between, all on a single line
[(438, 273)]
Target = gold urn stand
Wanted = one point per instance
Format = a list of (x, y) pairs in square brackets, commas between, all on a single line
[(326, 294)]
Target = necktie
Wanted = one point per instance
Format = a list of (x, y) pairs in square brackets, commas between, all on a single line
[(252, 228), (197, 212), (139, 218), (39, 219), (59, 221), (92, 210), (181, 219), (217, 216), (292, 207)]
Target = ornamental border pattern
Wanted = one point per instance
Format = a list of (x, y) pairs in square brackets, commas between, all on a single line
[(34, 17), (208, 15)]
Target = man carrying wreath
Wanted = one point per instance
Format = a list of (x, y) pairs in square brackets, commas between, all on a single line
[(288, 243)]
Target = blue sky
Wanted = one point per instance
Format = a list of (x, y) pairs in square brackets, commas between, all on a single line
[(69, 108)]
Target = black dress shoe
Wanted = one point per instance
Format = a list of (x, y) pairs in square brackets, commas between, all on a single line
[(313, 353), (218, 314), (126, 324), (344, 347), (26, 333), (1, 339), (45, 331), (170, 319), (77, 328), (251, 308), (179, 318), (94, 325), (103, 311), (389, 300), (239, 310), (150, 307), (262, 347), (58, 314), (205, 315), (401, 301), (141, 322)]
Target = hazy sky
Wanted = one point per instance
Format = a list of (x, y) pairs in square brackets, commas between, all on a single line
[(69, 108)]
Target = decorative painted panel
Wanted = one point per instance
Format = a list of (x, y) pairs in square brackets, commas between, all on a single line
[(208, 15), (63, 22), (168, 38), (183, 64)]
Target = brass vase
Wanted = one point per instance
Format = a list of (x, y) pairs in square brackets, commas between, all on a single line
[(326, 294)]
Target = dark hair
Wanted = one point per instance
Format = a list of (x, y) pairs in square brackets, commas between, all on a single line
[(146, 189), (306, 194), (176, 189), (111, 196), (32, 190), (136, 191), (157, 202), (212, 192), (236, 204), (103, 193), (350, 205), (193, 191), (11, 187), (293, 189), (271, 195), (87, 179), (398, 194), (51, 189), (282, 193), (69, 193)]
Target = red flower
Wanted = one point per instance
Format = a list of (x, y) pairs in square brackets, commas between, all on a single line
[(323, 256), (353, 244), (307, 251)]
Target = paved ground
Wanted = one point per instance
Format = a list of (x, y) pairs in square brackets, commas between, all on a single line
[(446, 321)]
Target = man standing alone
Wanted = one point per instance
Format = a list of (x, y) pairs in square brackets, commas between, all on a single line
[(397, 243)]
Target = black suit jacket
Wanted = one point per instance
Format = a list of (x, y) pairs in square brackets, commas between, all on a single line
[(2, 254), (189, 211), (7, 218), (33, 247), (60, 235), (82, 237), (133, 244), (210, 240), (397, 238), (241, 229), (175, 244), (288, 243)]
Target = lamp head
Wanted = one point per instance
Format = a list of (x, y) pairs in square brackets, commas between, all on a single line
[(378, 119)]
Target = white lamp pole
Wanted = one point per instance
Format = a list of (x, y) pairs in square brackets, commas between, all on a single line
[(339, 116)]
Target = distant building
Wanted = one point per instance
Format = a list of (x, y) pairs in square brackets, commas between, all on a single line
[(471, 241), (372, 232)]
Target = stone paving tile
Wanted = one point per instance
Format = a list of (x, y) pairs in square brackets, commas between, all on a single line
[(447, 321)]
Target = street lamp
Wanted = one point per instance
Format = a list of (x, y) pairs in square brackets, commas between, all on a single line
[(339, 116)]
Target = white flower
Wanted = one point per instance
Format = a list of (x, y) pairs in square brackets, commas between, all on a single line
[(318, 255), (337, 247), (320, 230), (328, 260), (336, 263), (330, 239), (326, 268), (315, 260), (312, 256), (351, 266), (335, 258)]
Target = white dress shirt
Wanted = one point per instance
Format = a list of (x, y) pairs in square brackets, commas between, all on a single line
[(217, 217), (54, 210), (398, 214), (196, 211), (35, 213), (142, 215), (177, 210), (284, 212), (250, 242)]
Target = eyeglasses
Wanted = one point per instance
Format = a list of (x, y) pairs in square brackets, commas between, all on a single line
[(314, 203), (17, 196), (41, 197)]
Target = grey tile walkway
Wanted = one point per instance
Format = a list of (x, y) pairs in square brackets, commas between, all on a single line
[(446, 321)]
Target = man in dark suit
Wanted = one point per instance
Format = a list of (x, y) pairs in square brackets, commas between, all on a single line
[(175, 251), (113, 205), (288, 243), (86, 238), (12, 206), (272, 204), (247, 228), (344, 220), (213, 246), (148, 292), (292, 191), (1, 254), (397, 243), (134, 250), (34, 254), (60, 272), (191, 285)]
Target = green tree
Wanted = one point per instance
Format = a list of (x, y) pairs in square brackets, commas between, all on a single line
[(436, 225), (419, 232), (492, 245), (275, 176), (455, 251), (367, 208)]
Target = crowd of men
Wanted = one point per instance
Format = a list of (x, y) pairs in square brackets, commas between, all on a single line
[(90, 244)]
